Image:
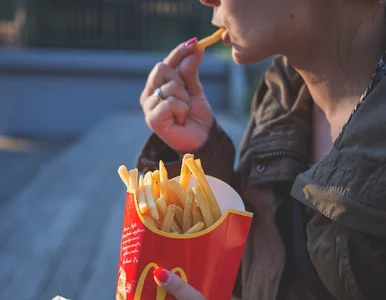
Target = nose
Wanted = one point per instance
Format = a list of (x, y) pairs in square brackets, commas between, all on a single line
[(212, 3)]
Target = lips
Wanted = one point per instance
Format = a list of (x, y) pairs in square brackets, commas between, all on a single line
[(225, 38), (225, 35)]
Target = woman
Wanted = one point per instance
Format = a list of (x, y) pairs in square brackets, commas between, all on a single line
[(316, 186)]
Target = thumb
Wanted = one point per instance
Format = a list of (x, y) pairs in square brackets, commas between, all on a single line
[(189, 71), (174, 285)]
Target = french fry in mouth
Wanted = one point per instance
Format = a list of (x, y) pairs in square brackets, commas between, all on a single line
[(210, 40)]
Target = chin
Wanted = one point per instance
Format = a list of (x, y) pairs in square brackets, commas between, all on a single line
[(240, 59), (245, 57)]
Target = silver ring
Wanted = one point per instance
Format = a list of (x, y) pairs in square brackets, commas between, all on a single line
[(158, 95)]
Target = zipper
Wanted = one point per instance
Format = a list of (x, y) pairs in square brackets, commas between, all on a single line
[(380, 72), (281, 153)]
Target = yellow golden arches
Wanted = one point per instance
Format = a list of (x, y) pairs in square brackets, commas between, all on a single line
[(161, 294), (141, 281)]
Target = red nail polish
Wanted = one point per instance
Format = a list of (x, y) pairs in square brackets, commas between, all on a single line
[(161, 275), (190, 42)]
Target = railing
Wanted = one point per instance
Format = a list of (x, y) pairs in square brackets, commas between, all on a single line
[(114, 24)]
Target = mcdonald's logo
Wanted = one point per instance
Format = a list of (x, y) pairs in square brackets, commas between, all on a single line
[(161, 294)]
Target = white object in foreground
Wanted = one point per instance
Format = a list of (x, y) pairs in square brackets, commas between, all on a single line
[(226, 196)]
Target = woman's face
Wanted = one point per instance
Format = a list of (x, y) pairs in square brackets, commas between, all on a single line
[(257, 29)]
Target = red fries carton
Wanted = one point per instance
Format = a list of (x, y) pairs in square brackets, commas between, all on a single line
[(208, 260)]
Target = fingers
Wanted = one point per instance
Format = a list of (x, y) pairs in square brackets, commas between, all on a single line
[(174, 285), (166, 111), (177, 77), (187, 58), (160, 75), (181, 66), (170, 89), (173, 88), (175, 57)]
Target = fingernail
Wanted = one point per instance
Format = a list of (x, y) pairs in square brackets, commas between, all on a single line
[(161, 275), (190, 42)]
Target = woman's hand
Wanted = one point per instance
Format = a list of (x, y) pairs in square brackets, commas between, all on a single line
[(183, 117), (174, 285)]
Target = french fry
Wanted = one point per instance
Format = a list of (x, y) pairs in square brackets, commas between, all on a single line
[(172, 196), (200, 176), (150, 220), (143, 207), (198, 162), (187, 219), (149, 196), (156, 185), (195, 228), (159, 223), (162, 209), (133, 179), (178, 214), (196, 206), (164, 181), (168, 220), (196, 216), (210, 40), (204, 206), (185, 172), (156, 175), (176, 228), (124, 174), (179, 191), (156, 189), (170, 205)]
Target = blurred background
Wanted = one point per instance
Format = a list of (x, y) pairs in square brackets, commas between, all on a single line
[(71, 73)]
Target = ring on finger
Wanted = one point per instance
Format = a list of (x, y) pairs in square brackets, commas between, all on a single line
[(158, 95)]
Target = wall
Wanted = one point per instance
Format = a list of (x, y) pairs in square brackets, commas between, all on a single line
[(65, 93)]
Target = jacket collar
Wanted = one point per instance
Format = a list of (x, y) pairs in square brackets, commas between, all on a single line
[(277, 138), (349, 185)]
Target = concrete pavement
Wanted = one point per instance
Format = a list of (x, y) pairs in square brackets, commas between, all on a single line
[(60, 234)]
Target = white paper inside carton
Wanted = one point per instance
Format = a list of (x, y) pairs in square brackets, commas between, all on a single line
[(226, 196)]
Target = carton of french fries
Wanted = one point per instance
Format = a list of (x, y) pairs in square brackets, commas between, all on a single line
[(194, 225)]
